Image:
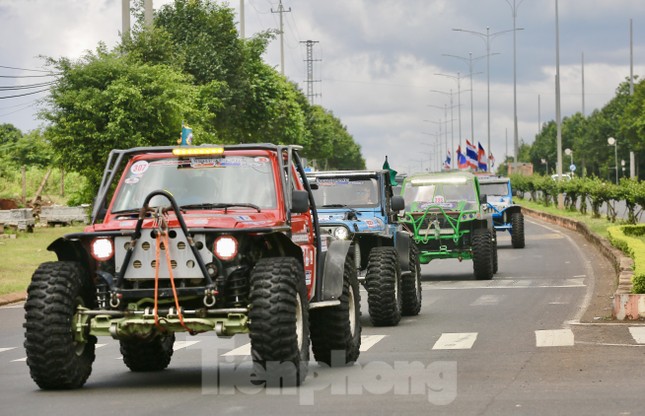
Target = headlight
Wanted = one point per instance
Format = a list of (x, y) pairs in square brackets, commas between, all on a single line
[(102, 249), (341, 233), (225, 247)]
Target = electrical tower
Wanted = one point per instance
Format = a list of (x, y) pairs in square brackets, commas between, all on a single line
[(310, 70)]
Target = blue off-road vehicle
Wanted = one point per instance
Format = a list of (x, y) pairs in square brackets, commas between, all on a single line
[(506, 215), (360, 206)]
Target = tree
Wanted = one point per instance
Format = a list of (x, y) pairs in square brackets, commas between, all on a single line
[(106, 101), (9, 134)]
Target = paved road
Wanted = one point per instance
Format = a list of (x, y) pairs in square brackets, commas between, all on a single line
[(511, 346)]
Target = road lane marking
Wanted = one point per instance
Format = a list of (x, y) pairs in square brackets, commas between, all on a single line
[(455, 341), (554, 338), (488, 300), (367, 342), (517, 283), (183, 344), (243, 350), (638, 333)]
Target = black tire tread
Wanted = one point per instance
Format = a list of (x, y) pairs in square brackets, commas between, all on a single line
[(52, 298), (330, 327), (147, 355), (517, 230), (482, 254), (275, 281), (411, 285), (383, 283)]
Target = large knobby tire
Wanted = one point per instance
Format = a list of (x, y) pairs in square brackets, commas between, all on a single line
[(279, 322), (411, 285), (55, 359), (383, 285), (149, 354), (495, 259), (336, 331), (483, 253), (517, 230)]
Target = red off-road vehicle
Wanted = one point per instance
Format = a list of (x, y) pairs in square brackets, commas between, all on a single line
[(196, 239)]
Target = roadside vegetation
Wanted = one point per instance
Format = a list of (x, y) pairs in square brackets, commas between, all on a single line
[(583, 200), (22, 255)]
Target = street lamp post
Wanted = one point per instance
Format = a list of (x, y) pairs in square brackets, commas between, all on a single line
[(470, 61), (434, 146), (458, 79), (569, 153), (613, 142), (452, 119), (486, 37), (514, 8)]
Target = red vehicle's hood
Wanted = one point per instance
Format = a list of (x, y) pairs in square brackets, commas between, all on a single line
[(199, 219)]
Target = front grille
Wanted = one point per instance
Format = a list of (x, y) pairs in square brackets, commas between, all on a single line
[(143, 260)]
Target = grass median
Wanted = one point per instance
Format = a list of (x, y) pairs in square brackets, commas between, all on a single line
[(20, 256)]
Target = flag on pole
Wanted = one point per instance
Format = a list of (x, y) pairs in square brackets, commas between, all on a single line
[(481, 158), (386, 166), (462, 163), (492, 160), (471, 155), (446, 163)]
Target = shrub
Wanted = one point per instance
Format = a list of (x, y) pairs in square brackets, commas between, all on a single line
[(626, 239)]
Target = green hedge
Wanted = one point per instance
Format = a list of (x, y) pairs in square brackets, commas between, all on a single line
[(593, 190), (626, 238)]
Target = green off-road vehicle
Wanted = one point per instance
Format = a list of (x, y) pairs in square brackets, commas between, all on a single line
[(449, 219), (195, 239)]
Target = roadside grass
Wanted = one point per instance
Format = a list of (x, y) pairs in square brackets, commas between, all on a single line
[(596, 225), (20, 257)]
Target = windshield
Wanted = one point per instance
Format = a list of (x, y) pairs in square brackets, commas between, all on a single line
[(224, 180), (420, 196), (346, 192), (494, 189)]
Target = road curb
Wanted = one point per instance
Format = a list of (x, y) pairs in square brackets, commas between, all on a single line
[(626, 305), (12, 298)]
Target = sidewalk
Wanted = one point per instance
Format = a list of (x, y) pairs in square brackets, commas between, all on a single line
[(12, 298)]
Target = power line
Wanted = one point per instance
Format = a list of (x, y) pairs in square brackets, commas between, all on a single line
[(25, 69), (27, 76), (25, 87), (25, 94)]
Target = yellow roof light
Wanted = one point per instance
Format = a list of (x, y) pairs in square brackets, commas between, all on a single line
[(197, 151)]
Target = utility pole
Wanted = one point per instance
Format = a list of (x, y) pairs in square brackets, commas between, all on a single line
[(281, 10), (558, 119), (632, 156), (310, 70), (583, 83), (242, 19), (147, 13), (125, 18)]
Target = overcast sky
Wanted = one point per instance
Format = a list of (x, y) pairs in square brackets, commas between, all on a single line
[(378, 61)]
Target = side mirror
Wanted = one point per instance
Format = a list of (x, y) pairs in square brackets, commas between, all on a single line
[(299, 201), (397, 203)]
